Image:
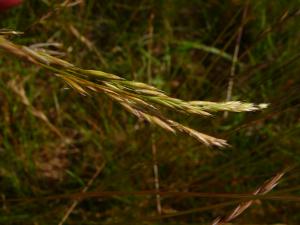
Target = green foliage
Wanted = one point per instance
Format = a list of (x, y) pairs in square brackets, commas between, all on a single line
[(53, 140)]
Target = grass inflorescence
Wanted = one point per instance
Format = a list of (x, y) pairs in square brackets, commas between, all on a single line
[(142, 100)]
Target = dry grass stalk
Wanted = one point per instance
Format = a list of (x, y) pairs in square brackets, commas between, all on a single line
[(235, 58), (153, 141), (142, 100), (17, 86), (84, 190), (156, 175), (90, 45), (263, 189), (59, 7)]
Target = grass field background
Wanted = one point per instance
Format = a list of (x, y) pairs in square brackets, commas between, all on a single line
[(185, 48)]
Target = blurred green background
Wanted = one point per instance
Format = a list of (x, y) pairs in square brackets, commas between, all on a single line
[(185, 48)]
